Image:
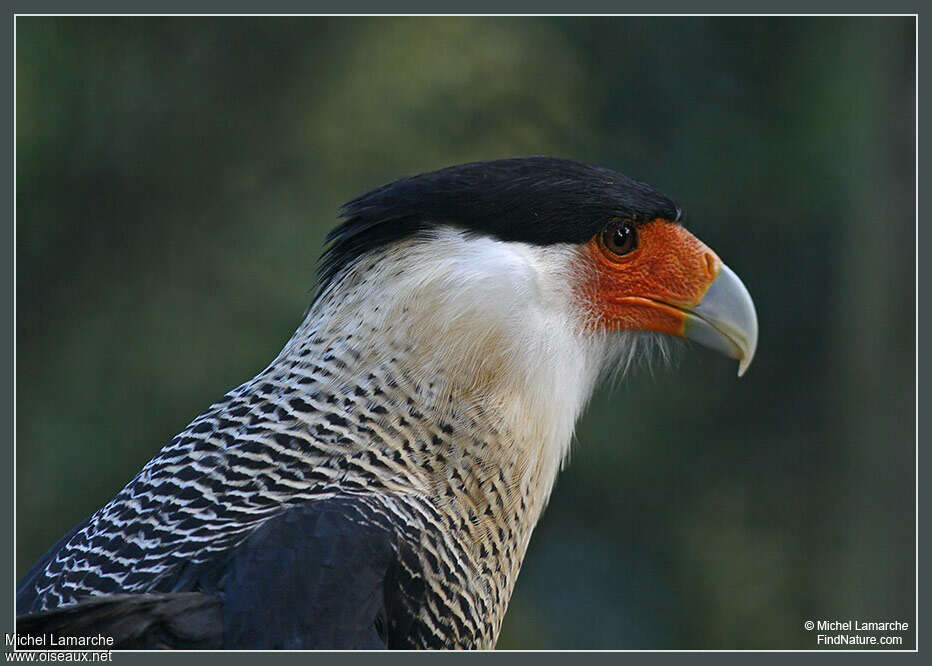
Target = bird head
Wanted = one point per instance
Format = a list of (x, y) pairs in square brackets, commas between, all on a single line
[(506, 243)]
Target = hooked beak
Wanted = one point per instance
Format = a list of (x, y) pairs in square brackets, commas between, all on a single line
[(725, 319)]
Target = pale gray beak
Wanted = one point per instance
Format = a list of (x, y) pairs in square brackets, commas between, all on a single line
[(725, 319)]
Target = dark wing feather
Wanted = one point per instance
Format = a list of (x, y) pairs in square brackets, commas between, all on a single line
[(313, 578), (317, 576), (135, 621)]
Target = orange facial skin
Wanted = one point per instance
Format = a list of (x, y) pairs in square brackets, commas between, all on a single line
[(648, 288)]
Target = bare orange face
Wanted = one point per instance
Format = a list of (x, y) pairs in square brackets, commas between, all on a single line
[(646, 276)]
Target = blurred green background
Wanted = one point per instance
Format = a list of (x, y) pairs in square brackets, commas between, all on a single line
[(176, 178)]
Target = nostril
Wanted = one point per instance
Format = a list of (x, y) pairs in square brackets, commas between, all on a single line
[(710, 261)]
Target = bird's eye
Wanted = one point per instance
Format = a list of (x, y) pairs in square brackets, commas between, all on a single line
[(620, 238)]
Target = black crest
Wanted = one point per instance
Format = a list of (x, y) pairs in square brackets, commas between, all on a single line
[(537, 200)]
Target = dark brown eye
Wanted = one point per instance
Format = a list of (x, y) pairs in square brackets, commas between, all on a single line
[(620, 238)]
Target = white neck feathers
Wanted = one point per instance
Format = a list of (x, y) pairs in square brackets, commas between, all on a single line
[(490, 327)]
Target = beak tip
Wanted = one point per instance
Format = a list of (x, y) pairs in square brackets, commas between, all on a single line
[(725, 320), (748, 353)]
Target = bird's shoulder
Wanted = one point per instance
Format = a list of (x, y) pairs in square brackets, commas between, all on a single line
[(319, 575), (323, 574)]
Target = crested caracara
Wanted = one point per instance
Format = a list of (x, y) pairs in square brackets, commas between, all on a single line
[(377, 484)]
